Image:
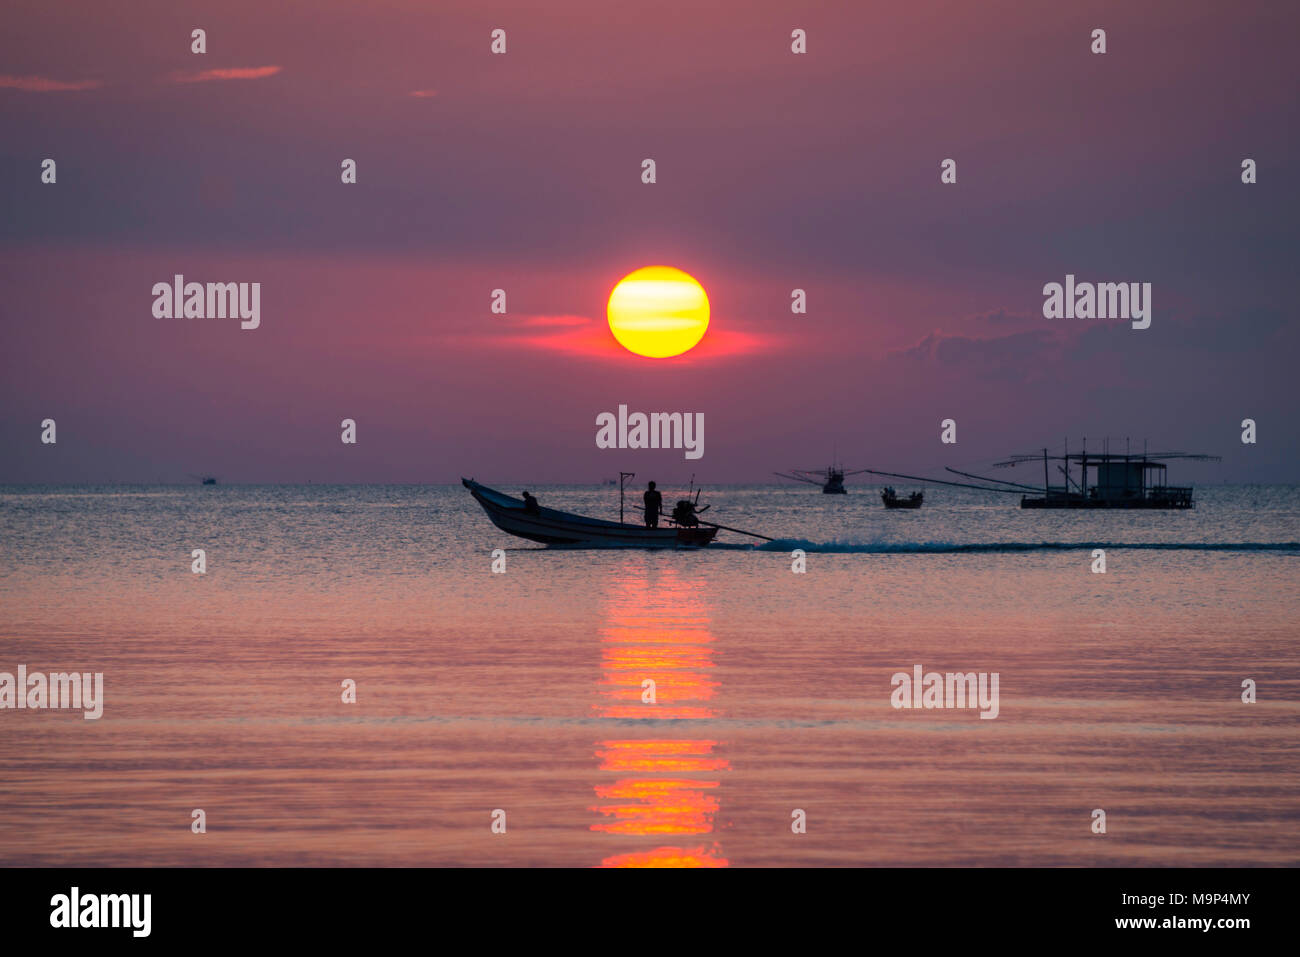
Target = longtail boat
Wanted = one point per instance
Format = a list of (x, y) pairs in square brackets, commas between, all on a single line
[(552, 527), (894, 500)]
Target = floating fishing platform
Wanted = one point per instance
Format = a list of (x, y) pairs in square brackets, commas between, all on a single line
[(1109, 480), (1106, 480)]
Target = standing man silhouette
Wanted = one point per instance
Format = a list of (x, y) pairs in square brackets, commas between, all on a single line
[(653, 504)]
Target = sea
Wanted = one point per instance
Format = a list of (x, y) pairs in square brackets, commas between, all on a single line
[(376, 675)]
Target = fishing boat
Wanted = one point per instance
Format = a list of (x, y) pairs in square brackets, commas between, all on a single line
[(1106, 479), (553, 527), (831, 479), (893, 500), (1129, 480)]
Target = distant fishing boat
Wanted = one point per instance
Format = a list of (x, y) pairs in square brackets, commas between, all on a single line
[(206, 479), (831, 479), (893, 500), (1116, 481), (552, 527)]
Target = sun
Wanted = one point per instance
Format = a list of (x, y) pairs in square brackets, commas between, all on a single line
[(658, 312)]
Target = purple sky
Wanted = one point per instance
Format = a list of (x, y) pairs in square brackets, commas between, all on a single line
[(522, 171)]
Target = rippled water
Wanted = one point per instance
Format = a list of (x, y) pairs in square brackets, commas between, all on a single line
[(524, 692)]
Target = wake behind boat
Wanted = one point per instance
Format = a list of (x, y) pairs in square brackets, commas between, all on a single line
[(552, 527)]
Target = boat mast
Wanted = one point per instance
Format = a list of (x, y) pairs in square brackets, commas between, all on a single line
[(622, 477), (1046, 490)]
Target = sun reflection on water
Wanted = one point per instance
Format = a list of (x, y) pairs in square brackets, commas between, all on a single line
[(664, 787)]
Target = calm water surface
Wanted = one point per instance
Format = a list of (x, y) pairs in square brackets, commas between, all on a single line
[(523, 691)]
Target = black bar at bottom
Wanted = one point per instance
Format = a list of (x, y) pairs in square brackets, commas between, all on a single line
[(334, 906)]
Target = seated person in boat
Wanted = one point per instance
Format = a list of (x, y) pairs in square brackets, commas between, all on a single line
[(530, 504), (653, 503)]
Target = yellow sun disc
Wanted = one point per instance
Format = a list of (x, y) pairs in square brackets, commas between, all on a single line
[(658, 312)]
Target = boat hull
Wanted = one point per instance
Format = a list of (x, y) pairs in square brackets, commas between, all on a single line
[(1078, 501), (550, 526), (898, 501)]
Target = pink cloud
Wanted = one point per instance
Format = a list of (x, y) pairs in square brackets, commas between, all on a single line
[(583, 336), (226, 73), (423, 94), (43, 84), (551, 321)]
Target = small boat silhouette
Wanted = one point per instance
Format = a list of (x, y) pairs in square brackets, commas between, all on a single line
[(893, 500), (831, 479), (552, 527)]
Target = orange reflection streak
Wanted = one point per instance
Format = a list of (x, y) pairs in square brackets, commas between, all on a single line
[(657, 807), (679, 674), (670, 857), (643, 755), (657, 629), (657, 632)]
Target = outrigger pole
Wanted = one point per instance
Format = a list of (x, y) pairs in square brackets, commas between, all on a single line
[(985, 478), (740, 530), (727, 528), (919, 478)]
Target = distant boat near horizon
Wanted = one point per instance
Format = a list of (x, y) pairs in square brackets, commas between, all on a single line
[(1129, 480), (1118, 481), (831, 478), (893, 500)]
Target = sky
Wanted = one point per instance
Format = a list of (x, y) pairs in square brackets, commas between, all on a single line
[(522, 171)]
